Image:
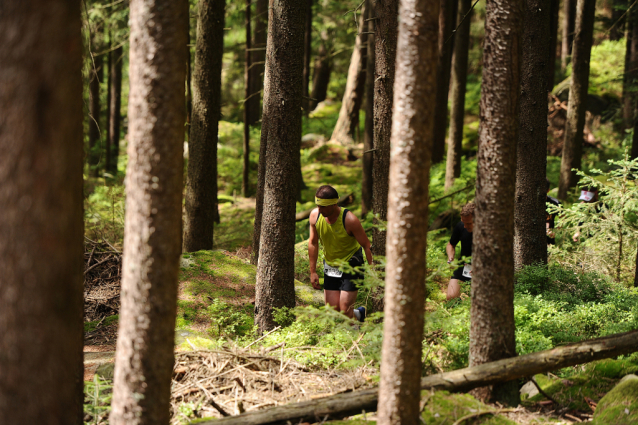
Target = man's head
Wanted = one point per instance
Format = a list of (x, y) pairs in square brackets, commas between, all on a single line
[(467, 216), (326, 199)]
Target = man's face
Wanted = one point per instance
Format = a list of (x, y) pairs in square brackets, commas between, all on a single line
[(468, 222), (327, 211)]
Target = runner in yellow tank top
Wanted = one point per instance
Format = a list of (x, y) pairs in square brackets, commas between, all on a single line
[(343, 240)]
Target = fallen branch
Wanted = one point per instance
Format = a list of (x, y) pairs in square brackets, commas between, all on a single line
[(344, 201), (462, 380)]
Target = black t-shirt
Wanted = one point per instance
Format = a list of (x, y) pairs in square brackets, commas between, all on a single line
[(551, 217), (460, 233)]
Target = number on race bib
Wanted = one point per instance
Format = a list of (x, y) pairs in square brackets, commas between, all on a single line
[(331, 271), (467, 271)]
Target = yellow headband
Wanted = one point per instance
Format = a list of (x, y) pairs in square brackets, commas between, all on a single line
[(325, 202)]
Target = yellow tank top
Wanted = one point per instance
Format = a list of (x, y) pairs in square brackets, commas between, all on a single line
[(337, 243)]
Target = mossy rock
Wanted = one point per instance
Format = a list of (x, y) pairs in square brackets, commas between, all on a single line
[(620, 405), (441, 407)]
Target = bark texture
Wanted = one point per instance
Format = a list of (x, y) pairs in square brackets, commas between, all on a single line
[(95, 129), (282, 136), (247, 85), (569, 19), (307, 53), (575, 124), (412, 123), (530, 240), (459, 83), (201, 188), (447, 24), (322, 71), (385, 43), (115, 89), (553, 35), (41, 219), (492, 311), (152, 232), (258, 58), (368, 132), (345, 131), (631, 66)]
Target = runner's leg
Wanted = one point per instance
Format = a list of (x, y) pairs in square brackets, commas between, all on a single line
[(453, 289), (332, 298), (346, 302)]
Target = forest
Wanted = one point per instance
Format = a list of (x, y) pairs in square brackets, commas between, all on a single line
[(263, 212)]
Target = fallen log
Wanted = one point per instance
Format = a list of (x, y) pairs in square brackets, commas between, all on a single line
[(344, 201), (462, 380)]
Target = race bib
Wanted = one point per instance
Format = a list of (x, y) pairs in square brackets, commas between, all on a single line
[(467, 271), (331, 271)]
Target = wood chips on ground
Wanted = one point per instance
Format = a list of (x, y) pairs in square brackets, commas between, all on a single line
[(232, 380)]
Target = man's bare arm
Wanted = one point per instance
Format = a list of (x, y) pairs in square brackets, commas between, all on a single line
[(354, 227), (449, 248), (313, 249)]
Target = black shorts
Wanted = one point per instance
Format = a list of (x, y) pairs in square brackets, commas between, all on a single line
[(347, 282), (458, 274)]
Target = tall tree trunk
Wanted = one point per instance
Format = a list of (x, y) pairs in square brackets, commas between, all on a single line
[(247, 85), (345, 130), (575, 124), (107, 145), (412, 122), (459, 82), (41, 220), (385, 46), (492, 312), (636, 270), (201, 189), (631, 65), (619, 7), (257, 61), (97, 74), (115, 88), (553, 35), (189, 74), (530, 240), (152, 233), (282, 136), (322, 70), (569, 19), (447, 24), (306, 57), (368, 133)]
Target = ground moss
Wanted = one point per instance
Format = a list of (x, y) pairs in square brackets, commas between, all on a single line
[(91, 326), (619, 406), (441, 407)]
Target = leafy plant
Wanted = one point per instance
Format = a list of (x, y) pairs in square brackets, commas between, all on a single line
[(226, 321)]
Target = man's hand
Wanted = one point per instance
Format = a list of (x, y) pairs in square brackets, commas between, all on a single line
[(314, 280)]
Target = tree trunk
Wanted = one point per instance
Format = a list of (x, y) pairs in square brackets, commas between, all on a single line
[(459, 82), (189, 79), (368, 133), (636, 269), (492, 311), (342, 405), (412, 122), (259, 196), (569, 19), (575, 124), (619, 7), (115, 89), (447, 24), (144, 357), (247, 85), (345, 131), (322, 70), (530, 239), (41, 220), (306, 57), (257, 61), (385, 43), (107, 127), (282, 120), (201, 190), (553, 36), (629, 76), (96, 75)]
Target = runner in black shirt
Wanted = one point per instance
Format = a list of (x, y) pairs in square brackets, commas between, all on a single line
[(462, 232), (549, 221)]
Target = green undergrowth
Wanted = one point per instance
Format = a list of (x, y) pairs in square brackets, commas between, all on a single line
[(592, 380), (109, 320)]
